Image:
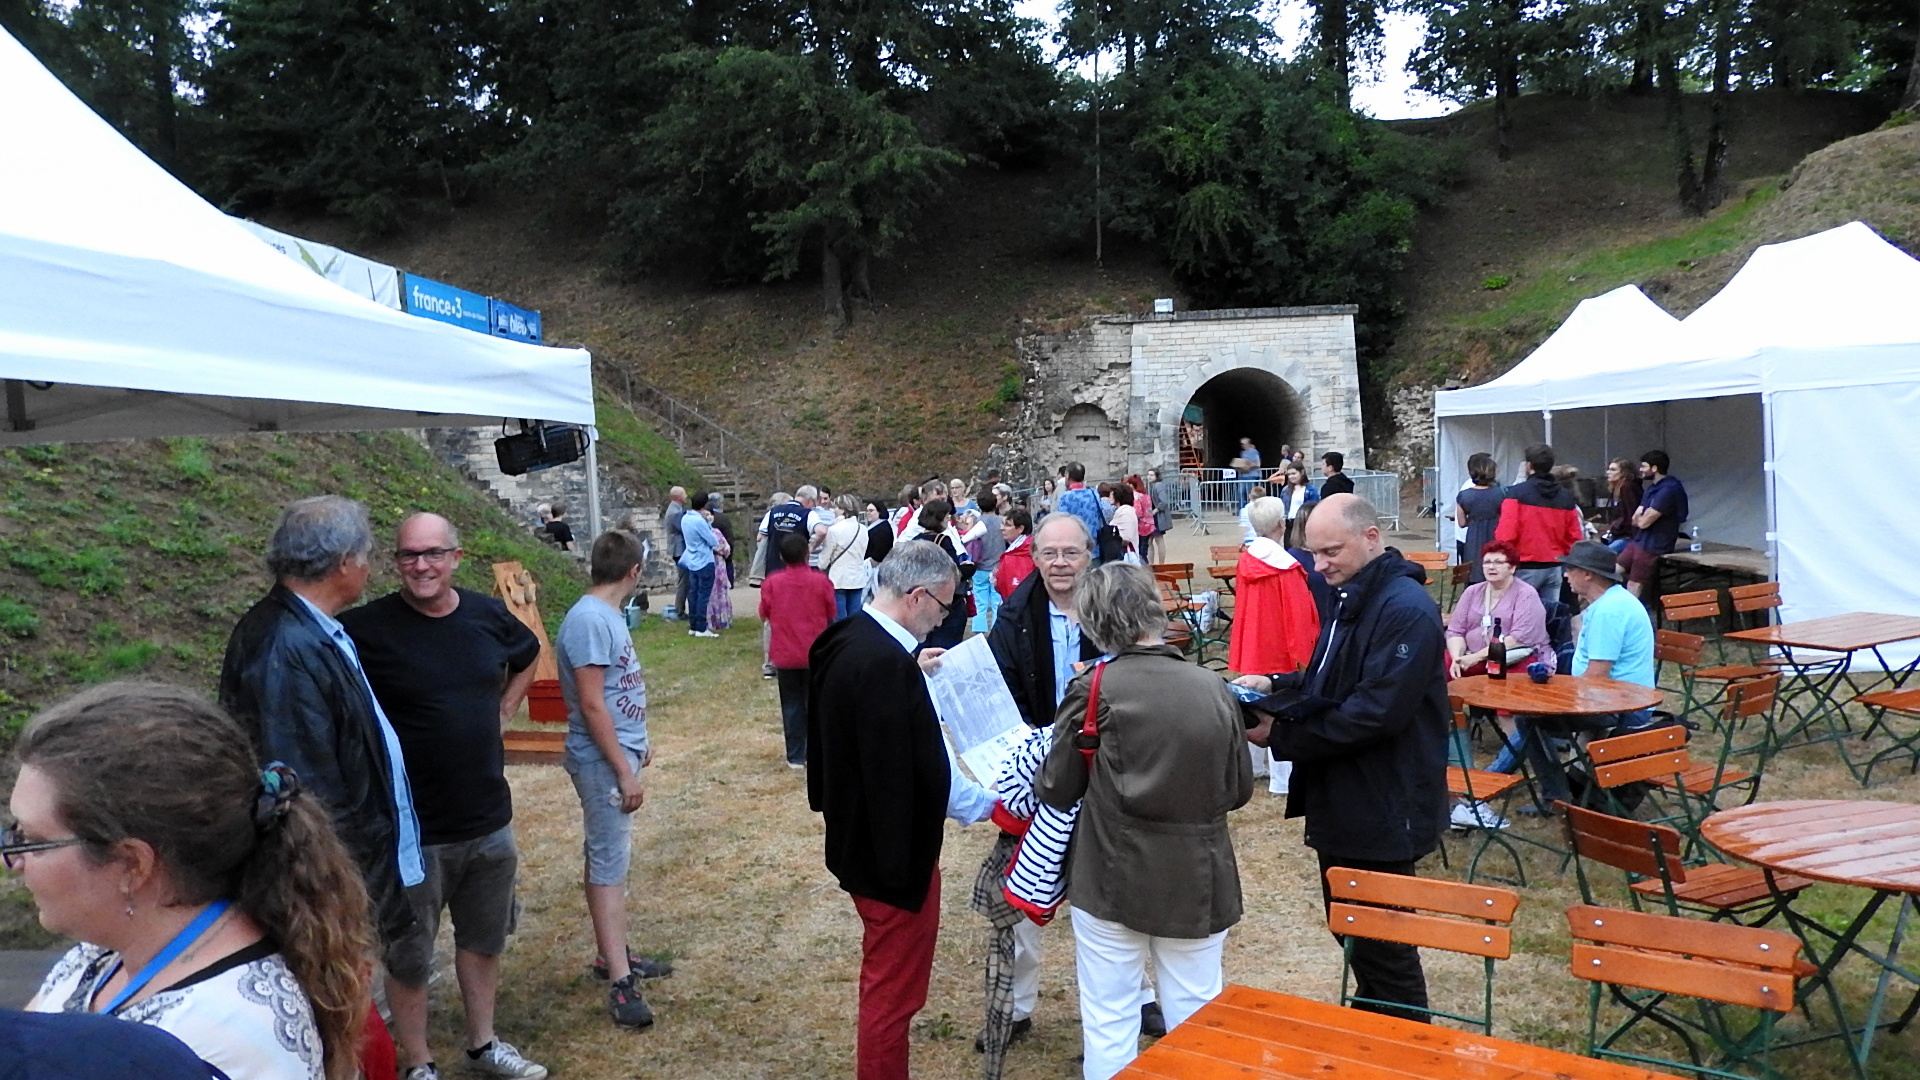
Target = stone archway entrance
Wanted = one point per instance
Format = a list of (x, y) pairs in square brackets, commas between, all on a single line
[(1253, 403), (1089, 437)]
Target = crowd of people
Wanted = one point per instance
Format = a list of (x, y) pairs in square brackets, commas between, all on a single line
[(351, 787)]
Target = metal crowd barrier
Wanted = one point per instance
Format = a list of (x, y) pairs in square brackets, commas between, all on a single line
[(1382, 489)]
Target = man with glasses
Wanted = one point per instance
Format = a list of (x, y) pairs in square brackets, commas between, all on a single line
[(451, 667), (1039, 647), (293, 679), (879, 773)]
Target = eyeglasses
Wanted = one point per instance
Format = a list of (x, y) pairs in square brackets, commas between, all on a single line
[(432, 555), (1063, 555), (946, 607), (13, 845)]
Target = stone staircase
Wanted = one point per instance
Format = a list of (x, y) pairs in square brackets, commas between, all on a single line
[(739, 470)]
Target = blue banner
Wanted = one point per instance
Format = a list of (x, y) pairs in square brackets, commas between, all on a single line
[(431, 299), (515, 322)]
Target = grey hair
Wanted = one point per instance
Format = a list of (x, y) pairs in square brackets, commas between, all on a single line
[(779, 497), (806, 491), (1086, 536), (1265, 514), (1118, 604), (847, 505), (916, 564), (314, 536)]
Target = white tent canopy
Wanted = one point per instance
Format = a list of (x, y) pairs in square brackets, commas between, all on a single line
[(130, 307), (1805, 368)]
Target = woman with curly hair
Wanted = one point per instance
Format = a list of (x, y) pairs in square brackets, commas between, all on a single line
[(210, 899)]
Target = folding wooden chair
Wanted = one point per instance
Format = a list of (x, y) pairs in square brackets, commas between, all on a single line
[(1641, 757), (1888, 708), (1678, 609), (1435, 564), (1480, 788), (1741, 734), (1684, 652), (1179, 631), (1646, 962), (1649, 856), (1424, 912)]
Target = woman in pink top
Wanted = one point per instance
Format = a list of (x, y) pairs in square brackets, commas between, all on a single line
[(1143, 513), (797, 603), (1523, 621)]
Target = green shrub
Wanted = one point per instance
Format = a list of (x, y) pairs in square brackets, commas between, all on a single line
[(190, 461), (1496, 281), (17, 619)]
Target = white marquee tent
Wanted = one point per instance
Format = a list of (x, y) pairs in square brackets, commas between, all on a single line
[(1804, 369), (130, 307)]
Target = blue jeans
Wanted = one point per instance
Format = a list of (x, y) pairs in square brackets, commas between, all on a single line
[(1617, 546), (699, 591), (986, 602), (847, 602), (1536, 731)]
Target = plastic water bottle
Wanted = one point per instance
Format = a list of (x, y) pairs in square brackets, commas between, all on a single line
[(1694, 543)]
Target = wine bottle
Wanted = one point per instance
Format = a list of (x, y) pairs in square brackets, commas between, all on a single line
[(1496, 654)]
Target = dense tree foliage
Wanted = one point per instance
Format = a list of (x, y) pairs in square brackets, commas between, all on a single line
[(751, 141)]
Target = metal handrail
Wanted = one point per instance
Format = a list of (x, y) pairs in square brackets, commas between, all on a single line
[(694, 430)]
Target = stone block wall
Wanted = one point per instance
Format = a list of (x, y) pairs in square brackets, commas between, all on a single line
[(1141, 371)]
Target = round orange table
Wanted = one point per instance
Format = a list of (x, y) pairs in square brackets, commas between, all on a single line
[(1865, 843), (1562, 695)]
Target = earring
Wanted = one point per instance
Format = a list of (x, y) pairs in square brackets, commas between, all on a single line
[(126, 893)]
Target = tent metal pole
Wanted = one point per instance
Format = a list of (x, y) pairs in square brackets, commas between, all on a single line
[(1546, 419), (594, 528), (1768, 467)]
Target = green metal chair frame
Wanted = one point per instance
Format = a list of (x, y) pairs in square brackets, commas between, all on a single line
[(1471, 919)]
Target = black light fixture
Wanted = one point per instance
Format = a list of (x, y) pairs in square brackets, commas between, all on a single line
[(538, 446)]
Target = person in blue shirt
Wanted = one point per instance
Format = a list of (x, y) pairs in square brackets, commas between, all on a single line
[(697, 560), (1662, 510), (1080, 500), (1616, 642)]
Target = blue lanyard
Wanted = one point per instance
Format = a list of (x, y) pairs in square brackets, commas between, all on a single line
[(166, 956)]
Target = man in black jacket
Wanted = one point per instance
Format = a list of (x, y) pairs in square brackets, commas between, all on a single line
[(292, 677), (1365, 726), (1038, 616), (879, 774)]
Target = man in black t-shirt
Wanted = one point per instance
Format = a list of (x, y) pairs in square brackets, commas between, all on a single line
[(449, 667), (559, 533)]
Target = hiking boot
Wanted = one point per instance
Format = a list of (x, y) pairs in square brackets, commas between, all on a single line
[(629, 1009), (499, 1058), (1477, 815), (639, 965)]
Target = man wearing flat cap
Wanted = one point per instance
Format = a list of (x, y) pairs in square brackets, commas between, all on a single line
[(1616, 642)]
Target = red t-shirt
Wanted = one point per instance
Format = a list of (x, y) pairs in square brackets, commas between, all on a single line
[(797, 602)]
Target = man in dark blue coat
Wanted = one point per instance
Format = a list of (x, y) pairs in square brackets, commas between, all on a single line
[(1365, 725)]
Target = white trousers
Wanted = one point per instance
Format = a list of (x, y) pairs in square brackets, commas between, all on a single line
[(1279, 776), (1112, 962), (1026, 968)]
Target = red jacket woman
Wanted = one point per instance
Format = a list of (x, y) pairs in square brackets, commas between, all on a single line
[(1275, 622), (1016, 563)]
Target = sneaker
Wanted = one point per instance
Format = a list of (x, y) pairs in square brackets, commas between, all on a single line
[(797, 766), (1477, 815), (1153, 1022), (421, 1072), (629, 1009), (1020, 1030), (499, 1058), (639, 965), (702, 634)]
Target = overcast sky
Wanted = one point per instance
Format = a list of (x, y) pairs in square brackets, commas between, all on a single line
[(1388, 94)]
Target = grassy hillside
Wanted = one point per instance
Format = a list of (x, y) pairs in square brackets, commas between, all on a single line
[(136, 558), (1586, 204), (916, 386)]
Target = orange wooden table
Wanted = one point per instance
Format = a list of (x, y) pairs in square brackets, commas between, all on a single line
[(1253, 1034), (1820, 677), (1868, 844), (1562, 695)]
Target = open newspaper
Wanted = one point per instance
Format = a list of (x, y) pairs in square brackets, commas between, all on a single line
[(976, 709)]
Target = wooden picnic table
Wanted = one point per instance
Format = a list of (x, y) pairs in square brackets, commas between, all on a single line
[(1867, 844), (1836, 638), (1263, 1035), (1561, 695)]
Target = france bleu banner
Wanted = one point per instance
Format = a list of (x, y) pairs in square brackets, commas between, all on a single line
[(515, 322), (433, 300)]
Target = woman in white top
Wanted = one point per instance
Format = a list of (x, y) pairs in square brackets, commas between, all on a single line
[(844, 556), (210, 899), (1121, 516)]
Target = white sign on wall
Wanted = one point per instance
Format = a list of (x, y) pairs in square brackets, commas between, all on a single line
[(363, 277)]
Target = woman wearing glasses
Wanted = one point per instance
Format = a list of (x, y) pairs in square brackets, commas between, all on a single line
[(223, 910)]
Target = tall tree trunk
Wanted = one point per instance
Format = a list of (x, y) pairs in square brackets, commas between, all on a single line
[(1502, 120), (160, 72), (1336, 47), (1713, 179), (1647, 21), (833, 290), (1910, 101), (1688, 179)]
